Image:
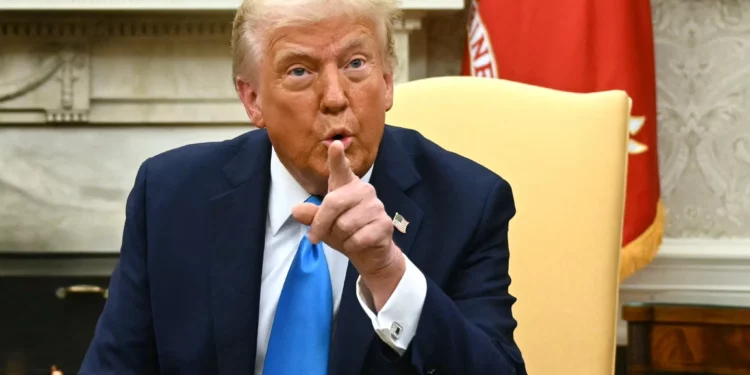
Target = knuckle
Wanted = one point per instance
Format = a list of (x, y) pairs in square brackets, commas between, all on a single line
[(367, 239), (361, 239), (361, 243), (368, 189), (354, 242), (386, 228), (376, 209), (345, 226), (334, 200)]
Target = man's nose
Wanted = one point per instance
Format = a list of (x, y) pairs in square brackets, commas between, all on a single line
[(334, 86)]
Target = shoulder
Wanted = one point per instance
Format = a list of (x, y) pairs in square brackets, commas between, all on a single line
[(194, 165), (452, 171), (458, 196)]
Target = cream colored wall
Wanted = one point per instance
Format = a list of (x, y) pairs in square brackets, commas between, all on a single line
[(703, 79), (445, 42)]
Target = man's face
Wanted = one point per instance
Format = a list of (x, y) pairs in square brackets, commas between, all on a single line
[(317, 83)]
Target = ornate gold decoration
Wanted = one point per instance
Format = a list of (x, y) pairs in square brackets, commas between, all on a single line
[(642, 250)]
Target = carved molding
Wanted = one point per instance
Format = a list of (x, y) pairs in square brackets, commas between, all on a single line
[(692, 271), (99, 27), (18, 87), (227, 5), (102, 25), (67, 116), (57, 84), (133, 68)]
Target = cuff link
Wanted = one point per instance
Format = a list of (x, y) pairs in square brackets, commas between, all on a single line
[(396, 330)]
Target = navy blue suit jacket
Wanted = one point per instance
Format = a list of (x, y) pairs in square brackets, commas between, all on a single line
[(184, 296)]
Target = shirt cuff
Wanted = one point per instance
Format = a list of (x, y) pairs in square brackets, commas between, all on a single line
[(396, 323)]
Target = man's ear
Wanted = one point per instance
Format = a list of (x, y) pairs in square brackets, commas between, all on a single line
[(250, 98), (388, 77)]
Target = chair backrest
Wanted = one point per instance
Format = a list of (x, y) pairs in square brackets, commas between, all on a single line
[(565, 157)]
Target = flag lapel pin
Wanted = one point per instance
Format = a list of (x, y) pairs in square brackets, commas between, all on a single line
[(400, 223)]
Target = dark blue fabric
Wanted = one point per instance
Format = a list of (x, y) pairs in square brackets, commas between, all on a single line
[(184, 296), (301, 332)]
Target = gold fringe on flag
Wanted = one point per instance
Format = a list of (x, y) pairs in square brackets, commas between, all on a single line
[(642, 250)]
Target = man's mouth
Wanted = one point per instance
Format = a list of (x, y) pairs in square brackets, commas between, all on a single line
[(345, 139)]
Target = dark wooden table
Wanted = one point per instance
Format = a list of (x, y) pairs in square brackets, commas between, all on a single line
[(687, 339)]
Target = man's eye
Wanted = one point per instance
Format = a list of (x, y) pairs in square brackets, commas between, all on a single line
[(298, 72), (356, 63)]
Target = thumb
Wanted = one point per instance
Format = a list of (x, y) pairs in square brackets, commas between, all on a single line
[(304, 213)]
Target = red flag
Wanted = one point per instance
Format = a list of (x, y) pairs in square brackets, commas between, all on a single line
[(583, 46)]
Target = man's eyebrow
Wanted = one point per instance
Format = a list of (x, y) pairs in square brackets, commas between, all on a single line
[(293, 54), (296, 52), (355, 43), (358, 42)]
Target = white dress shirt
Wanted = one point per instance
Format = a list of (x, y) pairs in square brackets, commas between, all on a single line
[(395, 324)]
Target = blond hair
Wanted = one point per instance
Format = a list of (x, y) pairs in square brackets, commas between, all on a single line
[(255, 19)]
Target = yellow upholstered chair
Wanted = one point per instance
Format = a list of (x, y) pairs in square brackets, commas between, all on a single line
[(565, 157)]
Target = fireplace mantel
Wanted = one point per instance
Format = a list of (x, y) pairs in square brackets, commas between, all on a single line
[(161, 62), (90, 89), (182, 4)]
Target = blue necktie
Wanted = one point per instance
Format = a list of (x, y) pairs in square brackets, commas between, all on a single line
[(301, 331)]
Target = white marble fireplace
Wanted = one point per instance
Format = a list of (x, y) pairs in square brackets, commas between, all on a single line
[(91, 88)]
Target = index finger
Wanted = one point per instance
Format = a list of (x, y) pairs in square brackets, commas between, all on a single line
[(340, 173)]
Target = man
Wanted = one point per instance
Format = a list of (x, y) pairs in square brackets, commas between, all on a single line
[(219, 273)]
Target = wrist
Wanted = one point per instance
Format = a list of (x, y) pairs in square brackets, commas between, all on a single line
[(374, 267), (383, 281)]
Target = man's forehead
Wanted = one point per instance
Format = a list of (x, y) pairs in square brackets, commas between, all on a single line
[(314, 39), (338, 45)]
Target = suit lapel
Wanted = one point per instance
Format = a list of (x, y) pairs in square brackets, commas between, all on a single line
[(238, 217), (392, 176)]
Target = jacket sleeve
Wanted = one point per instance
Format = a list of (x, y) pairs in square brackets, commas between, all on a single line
[(467, 328), (123, 342)]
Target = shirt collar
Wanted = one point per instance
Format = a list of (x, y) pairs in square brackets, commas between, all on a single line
[(286, 192)]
